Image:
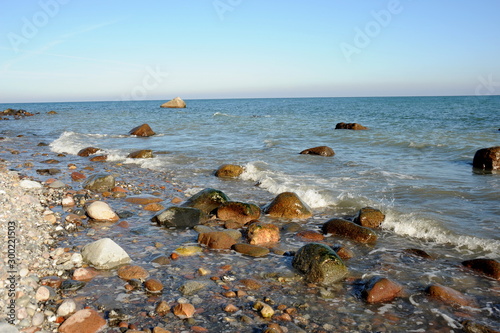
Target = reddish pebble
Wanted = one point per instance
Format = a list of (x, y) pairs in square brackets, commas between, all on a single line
[(199, 329), (174, 256), (311, 235)]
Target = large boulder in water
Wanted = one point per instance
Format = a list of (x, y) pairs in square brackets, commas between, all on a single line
[(174, 103), (369, 217), (239, 212), (379, 289), (488, 267), (288, 205), (348, 229), (100, 182), (321, 150), (142, 130), (487, 159), (320, 264), (207, 200), (179, 217), (144, 153), (229, 171), (85, 152), (350, 126)]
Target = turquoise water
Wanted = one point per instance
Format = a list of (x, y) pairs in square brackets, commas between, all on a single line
[(414, 162)]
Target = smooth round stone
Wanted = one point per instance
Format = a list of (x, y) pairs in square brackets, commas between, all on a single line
[(37, 319), (186, 251), (67, 307), (132, 272), (161, 260), (153, 286), (251, 250)]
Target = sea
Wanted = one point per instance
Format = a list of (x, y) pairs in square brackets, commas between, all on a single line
[(414, 162)]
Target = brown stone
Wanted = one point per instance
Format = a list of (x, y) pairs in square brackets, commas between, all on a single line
[(487, 159), (251, 250), (143, 199), (251, 284), (174, 103), (217, 240), (51, 281), (321, 150), (85, 152), (153, 207), (153, 286), (83, 321), (76, 176), (488, 267), (184, 310), (448, 295), (259, 233), (99, 158), (162, 308), (130, 272), (288, 205), (160, 330), (239, 212), (310, 235), (142, 130), (347, 229), (343, 252), (379, 290), (229, 171), (144, 153), (369, 217), (84, 274), (350, 126)]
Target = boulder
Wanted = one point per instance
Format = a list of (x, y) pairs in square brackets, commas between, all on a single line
[(179, 217), (229, 171), (207, 200), (105, 254), (144, 153), (487, 159), (174, 103), (319, 264), (288, 205), (239, 212), (379, 289), (448, 295), (347, 229), (217, 240), (350, 126), (488, 267), (321, 150), (100, 182), (101, 211), (369, 217), (259, 233), (85, 152), (83, 321), (142, 130)]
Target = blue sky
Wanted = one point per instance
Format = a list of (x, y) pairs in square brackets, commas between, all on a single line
[(76, 50)]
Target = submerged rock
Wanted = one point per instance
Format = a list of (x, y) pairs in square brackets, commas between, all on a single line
[(174, 103), (144, 153), (487, 159), (259, 233), (350, 126), (239, 212), (142, 130), (320, 264), (217, 240), (288, 205), (348, 229), (321, 150), (251, 250), (379, 289), (105, 254), (100, 182), (229, 171), (207, 200), (448, 295), (85, 152), (179, 217), (83, 321), (488, 267), (369, 217)]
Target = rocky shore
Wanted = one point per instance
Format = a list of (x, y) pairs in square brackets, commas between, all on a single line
[(111, 248)]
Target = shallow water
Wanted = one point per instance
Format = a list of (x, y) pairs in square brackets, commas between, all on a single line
[(414, 164)]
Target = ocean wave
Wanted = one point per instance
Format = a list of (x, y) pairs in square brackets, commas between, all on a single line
[(70, 142), (221, 114)]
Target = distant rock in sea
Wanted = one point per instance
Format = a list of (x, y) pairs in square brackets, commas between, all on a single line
[(174, 103)]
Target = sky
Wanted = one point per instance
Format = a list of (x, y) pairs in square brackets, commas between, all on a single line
[(88, 50)]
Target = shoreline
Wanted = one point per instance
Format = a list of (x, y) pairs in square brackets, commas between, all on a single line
[(185, 268)]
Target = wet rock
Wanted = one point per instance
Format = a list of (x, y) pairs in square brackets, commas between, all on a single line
[(153, 286), (319, 264), (99, 158), (418, 253), (142, 130), (369, 217), (207, 200), (487, 159), (229, 171), (344, 228), (448, 295), (187, 251), (143, 199), (310, 235), (379, 289), (67, 307), (100, 182), (72, 285), (45, 172), (174, 103), (144, 153), (251, 284), (488, 267), (84, 274), (45, 293), (162, 308), (321, 150), (179, 217), (472, 327), (184, 310), (153, 207), (161, 260), (350, 126), (101, 211), (105, 254), (130, 272), (217, 240), (238, 212), (83, 321), (85, 152), (265, 310), (288, 205), (51, 281), (251, 250), (343, 252), (259, 233), (50, 161), (192, 287)]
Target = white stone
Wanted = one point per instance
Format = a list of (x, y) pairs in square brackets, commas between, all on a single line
[(66, 308), (26, 183), (6, 328), (105, 254), (37, 319), (68, 201), (77, 259), (99, 210), (45, 293)]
